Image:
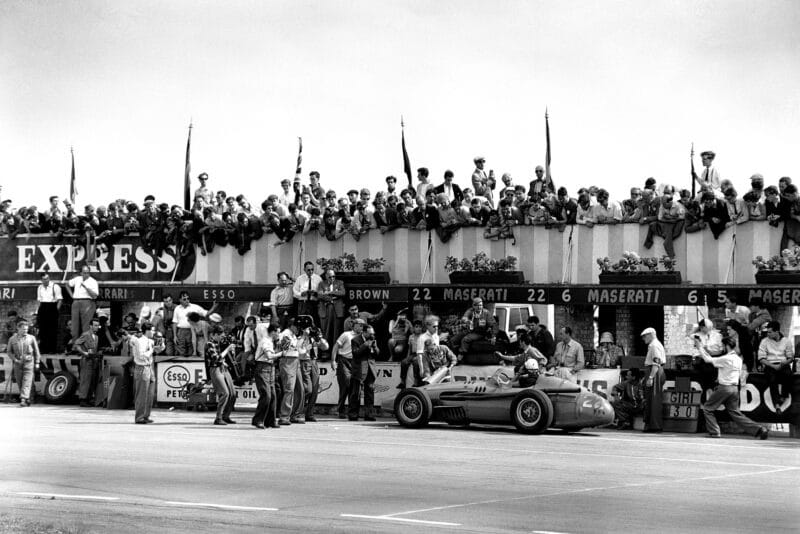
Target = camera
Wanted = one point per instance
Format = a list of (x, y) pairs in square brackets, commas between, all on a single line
[(696, 337), (314, 333)]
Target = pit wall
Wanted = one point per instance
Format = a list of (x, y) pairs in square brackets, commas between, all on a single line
[(542, 254)]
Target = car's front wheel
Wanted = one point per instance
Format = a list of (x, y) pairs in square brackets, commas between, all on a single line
[(60, 387), (532, 412), (412, 408)]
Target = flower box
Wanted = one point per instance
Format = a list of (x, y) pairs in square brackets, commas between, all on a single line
[(481, 277), (641, 278), (778, 277)]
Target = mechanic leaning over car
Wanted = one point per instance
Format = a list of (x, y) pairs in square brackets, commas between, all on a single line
[(481, 325)]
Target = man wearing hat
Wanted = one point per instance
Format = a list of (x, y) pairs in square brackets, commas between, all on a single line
[(710, 175), (608, 355), (481, 182), (204, 192), (653, 381)]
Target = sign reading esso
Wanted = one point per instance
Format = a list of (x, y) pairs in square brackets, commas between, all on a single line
[(176, 376)]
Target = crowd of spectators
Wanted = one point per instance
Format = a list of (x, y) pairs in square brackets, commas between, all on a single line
[(217, 219)]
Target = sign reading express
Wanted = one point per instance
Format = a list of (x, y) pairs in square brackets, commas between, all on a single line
[(126, 260)]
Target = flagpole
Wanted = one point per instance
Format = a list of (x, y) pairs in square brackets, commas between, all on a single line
[(187, 171), (406, 161), (73, 189), (547, 155)]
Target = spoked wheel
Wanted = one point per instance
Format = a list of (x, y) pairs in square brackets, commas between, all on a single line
[(412, 408), (532, 412)]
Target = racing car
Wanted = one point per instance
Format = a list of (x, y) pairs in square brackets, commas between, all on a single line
[(550, 403)]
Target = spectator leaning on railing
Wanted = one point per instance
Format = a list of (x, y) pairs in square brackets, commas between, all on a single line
[(221, 219)]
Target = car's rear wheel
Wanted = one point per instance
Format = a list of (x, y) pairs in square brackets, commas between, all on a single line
[(412, 408), (532, 412)]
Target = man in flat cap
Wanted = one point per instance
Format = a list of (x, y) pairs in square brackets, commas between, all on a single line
[(710, 175), (653, 382), (481, 182)]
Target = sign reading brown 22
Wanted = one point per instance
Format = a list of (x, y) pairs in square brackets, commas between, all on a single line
[(127, 260)]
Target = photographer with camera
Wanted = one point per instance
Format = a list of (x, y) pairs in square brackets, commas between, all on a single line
[(365, 348), (217, 371), (289, 364), (265, 358), (310, 345), (400, 332)]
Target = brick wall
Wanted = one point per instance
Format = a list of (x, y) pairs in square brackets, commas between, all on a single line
[(580, 319)]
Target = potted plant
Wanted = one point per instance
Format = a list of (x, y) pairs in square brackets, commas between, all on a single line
[(633, 269), (348, 271), (783, 268), (482, 269)]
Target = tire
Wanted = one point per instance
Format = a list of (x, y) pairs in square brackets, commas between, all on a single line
[(60, 387), (532, 412), (412, 408)]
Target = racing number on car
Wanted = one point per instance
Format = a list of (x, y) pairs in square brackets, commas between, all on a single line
[(537, 295), (421, 294)]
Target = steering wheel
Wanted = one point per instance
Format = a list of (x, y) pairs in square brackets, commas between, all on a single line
[(502, 379)]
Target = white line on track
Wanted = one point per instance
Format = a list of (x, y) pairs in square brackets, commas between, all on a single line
[(67, 496), (402, 519), (221, 506), (586, 490)]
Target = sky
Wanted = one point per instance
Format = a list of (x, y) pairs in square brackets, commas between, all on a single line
[(629, 86)]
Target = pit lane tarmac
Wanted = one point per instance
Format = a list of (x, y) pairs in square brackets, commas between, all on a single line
[(92, 470)]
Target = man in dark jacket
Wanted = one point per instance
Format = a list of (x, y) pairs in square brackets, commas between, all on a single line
[(365, 348)]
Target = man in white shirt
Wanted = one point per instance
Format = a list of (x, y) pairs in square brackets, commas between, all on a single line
[(431, 333), (305, 290), (740, 314), (342, 363), (84, 291), (265, 356), (182, 329), (287, 196), (144, 376), (49, 296), (710, 337), (710, 175), (775, 355), (289, 366), (727, 391)]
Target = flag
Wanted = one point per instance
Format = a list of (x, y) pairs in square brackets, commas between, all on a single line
[(547, 177), (73, 189), (694, 174), (299, 158), (406, 162), (187, 201)]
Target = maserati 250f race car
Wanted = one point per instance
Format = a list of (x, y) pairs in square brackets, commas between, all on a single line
[(550, 403)]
